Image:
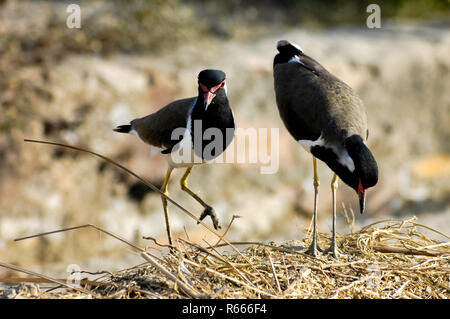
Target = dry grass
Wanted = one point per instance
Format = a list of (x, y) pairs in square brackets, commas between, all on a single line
[(390, 259)]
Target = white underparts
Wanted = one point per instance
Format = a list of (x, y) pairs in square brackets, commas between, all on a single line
[(341, 153), (153, 149)]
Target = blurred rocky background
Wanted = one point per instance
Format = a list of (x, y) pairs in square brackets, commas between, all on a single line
[(129, 58)]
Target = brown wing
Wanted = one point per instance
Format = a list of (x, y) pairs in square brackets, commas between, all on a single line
[(314, 103), (156, 129), (347, 112)]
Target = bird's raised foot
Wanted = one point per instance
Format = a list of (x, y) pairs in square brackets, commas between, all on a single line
[(209, 211)]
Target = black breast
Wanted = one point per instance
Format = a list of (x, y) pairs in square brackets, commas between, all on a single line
[(212, 130)]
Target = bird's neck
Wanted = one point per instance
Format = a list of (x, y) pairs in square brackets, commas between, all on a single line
[(217, 119), (282, 58)]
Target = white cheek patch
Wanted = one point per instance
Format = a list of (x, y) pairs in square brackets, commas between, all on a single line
[(346, 160)]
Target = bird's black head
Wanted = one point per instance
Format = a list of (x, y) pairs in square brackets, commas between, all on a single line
[(285, 47), (365, 174), (362, 176), (211, 78), (210, 82), (287, 51)]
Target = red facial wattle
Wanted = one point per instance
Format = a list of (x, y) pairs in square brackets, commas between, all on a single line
[(209, 94)]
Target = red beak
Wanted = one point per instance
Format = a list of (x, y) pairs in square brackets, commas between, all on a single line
[(362, 197), (208, 97), (209, 94)]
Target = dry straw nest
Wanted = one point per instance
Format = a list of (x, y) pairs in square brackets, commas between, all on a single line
[(388, 259)]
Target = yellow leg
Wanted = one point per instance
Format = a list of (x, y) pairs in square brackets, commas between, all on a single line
[(316, 176), (164, 202), (313, 247), (184, 187), (334, 182), (208, 210), (333, 248)]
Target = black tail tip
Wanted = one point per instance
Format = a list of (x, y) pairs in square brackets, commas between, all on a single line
[(123, 129)]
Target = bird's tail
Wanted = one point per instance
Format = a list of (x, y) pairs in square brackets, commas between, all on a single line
[(123, 129)]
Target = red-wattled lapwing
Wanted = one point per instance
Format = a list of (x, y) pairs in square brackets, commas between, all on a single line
[(328, 119), (188, 126)]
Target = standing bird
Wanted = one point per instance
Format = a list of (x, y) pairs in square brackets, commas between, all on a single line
[(182, 129), (328, 119)]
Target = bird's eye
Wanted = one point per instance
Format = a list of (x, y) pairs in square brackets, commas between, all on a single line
[(222, 84)]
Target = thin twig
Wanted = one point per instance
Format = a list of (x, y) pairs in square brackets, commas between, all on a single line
[(185, 231), (35, 274), (433, 230), (203, 250), (230, 264), (226, 230), (399, 290), (83, 226), (275, 274), (406, 251), (156, 243)]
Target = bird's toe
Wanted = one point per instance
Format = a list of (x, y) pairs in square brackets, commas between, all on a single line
[(209, 211), (334, 251), (313, 250)]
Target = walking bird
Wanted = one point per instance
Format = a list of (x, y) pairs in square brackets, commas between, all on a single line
[(190, 131), (328, 119)]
